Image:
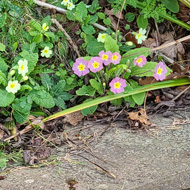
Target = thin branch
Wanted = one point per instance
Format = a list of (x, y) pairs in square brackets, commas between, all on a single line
[(67, 35), (61, 10)]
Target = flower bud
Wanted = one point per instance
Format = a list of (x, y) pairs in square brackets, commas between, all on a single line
[(25, 78), (129, 43), (12, 73)]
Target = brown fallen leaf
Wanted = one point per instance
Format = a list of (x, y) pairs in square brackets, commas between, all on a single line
[(73, 118), (140, 116), (118, 14)]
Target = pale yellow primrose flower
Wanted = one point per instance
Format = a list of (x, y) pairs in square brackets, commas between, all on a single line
[(101, 37), (45, 27), (65, 2), (13, 86), (70, 6), (46, 52), (23, 67), (140, 36)]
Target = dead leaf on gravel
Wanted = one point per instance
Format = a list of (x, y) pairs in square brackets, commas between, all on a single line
[(73, 118), (2, 177), (140, 116)]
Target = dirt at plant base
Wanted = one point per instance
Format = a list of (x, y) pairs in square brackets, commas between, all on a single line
[(158, 159)]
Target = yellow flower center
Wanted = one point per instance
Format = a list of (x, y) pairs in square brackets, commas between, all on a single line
[(12, 85), (139, 60), (103, 36), (95, 64), (69, 4), (81, 67), (139, 35), (104, 57), (117, 85), (114, 57), (22, 67), (159, 71), (45, 27), (45, 51)]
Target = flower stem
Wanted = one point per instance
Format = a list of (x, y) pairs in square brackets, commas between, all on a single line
[(186, 2)]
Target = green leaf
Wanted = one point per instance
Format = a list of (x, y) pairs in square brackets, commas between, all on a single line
[(3, 65), (42, 98), (172, 5), (94, 6), (107, 21), (94, 47), (6, 98), (59, 101), (101, 15), (3, 162), (46, 81), (3, 19), (65, 96), (49, 35), (46, 20), (59, 88), (34, 24), (38, 38), (3, 79), (89, 110), (96, 85), (139, 98), (117, 102), (70, 15), (147, 70), (132, 54), (93, 19), (88, 29), (81, 12), (21, 109), (142, 22), (2, 47), (25, 87), (111, 44), (130, 17), (86, 90)]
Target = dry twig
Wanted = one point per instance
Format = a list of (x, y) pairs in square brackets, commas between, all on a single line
[(67, 36)]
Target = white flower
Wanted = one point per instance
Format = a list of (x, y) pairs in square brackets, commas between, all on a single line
[(101, 37), (45, 27), (140, 36), (65, 2), (46, 52), (13, 86), (23, 67), (70, 6)]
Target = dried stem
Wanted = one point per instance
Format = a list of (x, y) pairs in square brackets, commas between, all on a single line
[(61, 10), (67, 36)]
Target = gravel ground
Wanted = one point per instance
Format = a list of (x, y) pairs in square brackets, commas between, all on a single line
[(156, 159)]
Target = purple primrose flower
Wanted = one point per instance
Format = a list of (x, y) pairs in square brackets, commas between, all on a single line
[(105, 56), (160, 71), (115, 58), (95, 64), (117, 85), (80, 67), (140, 61)]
